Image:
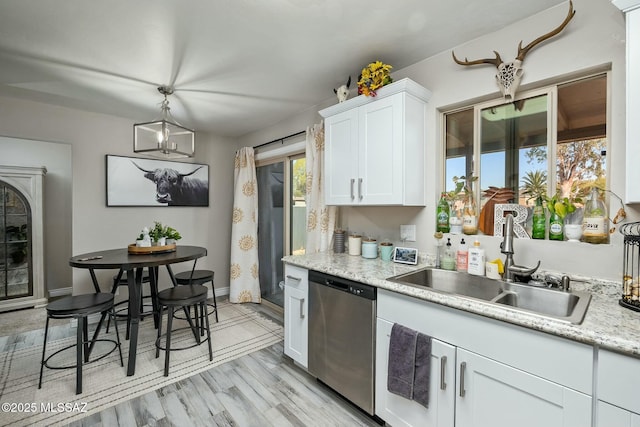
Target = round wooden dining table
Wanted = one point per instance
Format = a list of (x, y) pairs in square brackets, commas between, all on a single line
[(132, 265)]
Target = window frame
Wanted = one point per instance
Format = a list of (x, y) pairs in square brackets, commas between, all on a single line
[(551, 90)]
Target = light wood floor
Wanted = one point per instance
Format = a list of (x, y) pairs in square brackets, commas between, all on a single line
[(260, 389)]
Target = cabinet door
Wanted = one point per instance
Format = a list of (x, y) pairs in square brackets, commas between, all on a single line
[(610, 415), (632, 189), (380, 179), (398, 411), (492, 394), (341, 158), (295, 314)]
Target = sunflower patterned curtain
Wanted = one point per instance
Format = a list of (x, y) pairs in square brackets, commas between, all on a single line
[(245, 284), (321, 219)]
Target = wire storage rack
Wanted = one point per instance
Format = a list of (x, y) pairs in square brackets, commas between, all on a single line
[(631, 266)]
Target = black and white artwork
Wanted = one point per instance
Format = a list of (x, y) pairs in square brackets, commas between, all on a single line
[(133, 181)]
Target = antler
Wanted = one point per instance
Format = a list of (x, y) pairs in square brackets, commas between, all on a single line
[(522, 52), (497, 61)]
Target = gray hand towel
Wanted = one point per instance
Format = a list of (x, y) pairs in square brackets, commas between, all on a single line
[(423, 370), (401, 368)]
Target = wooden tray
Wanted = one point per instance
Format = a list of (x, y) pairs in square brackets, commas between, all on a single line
[(135, 250)]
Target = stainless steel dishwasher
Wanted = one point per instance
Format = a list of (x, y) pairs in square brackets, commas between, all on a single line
[(342, 319)]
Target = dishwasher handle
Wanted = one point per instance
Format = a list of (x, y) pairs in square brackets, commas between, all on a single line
[(336, 284)]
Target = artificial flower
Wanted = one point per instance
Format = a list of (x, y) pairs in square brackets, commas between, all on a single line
[(374, 76)]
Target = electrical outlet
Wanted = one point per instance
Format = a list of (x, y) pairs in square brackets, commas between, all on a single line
[(408, 233)]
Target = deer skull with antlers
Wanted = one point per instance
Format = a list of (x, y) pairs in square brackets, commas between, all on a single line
[(510, 73)]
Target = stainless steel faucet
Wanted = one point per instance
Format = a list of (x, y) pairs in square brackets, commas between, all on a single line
[(506, 247)]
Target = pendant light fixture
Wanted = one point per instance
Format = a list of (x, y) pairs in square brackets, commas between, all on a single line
[(164, 138)]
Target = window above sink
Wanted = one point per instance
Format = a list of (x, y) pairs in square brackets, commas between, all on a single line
[(550, 140)]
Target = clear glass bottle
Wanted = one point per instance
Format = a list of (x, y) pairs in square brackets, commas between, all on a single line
[(469, 217), (595, 222)]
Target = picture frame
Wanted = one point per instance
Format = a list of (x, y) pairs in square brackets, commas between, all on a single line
[(405, 255), (140, 182)]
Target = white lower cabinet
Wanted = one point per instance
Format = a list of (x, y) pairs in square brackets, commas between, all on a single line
[(296, 322), (610, 416), (618, 390), (398, 411), (495, 374), (490, 393)]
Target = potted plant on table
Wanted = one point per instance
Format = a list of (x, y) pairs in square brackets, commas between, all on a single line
[(162, 235)]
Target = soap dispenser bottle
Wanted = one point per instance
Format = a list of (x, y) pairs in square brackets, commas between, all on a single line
[(462, 256), (449, 257)]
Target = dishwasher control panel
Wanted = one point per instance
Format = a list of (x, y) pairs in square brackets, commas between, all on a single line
[(345, 285)]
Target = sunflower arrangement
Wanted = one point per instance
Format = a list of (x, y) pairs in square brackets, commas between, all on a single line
[(373, 77)]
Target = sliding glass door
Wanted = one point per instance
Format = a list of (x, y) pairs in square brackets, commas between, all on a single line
[(281, 220)]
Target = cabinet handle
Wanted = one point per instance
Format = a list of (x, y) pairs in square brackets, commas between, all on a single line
[(353, 181), (302, 308), (443, 363), (360, 188), (463, 367), (297, 279)]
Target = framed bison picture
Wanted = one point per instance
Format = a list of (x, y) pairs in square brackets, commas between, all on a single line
[(133, 181)]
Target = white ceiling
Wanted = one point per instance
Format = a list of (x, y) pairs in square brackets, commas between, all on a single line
[(237, 65)]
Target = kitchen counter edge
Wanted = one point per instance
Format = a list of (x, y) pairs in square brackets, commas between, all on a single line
[(606, 324)]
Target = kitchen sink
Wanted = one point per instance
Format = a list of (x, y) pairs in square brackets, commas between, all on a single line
[(569, 307), (452, 282)]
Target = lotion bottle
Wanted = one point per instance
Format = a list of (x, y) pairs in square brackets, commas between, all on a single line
[(462, 257), (476, 259)]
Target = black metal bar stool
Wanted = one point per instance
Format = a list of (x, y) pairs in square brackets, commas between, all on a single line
[(120, 279), (79, 307), (199, 277), (184, 297)]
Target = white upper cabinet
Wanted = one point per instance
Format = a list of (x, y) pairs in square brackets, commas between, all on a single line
[(375, 147), (632, 17)]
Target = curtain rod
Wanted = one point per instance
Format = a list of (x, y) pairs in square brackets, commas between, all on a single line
[(302, 132)]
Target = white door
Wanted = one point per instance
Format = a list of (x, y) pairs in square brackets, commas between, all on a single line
[(381, 145), (341, 158), (398, 411), (490, 393)]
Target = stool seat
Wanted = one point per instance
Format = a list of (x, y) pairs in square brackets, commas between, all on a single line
[(184, 297), (80, 305), (199, 277)]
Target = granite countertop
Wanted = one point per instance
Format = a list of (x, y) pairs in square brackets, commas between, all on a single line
[(606, 323)]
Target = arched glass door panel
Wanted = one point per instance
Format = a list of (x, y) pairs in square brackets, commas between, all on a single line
[(16, 278)]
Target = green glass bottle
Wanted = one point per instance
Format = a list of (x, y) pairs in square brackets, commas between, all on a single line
[(539, 229), (442, 214)]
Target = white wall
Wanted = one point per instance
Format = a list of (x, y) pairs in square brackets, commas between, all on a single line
[(594, 38), (57, 199), (94, 226)]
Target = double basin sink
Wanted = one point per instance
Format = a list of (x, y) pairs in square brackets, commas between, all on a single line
[(564, 306)]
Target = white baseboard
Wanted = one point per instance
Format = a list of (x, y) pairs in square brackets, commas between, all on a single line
[(60, 292), (220, 292)]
